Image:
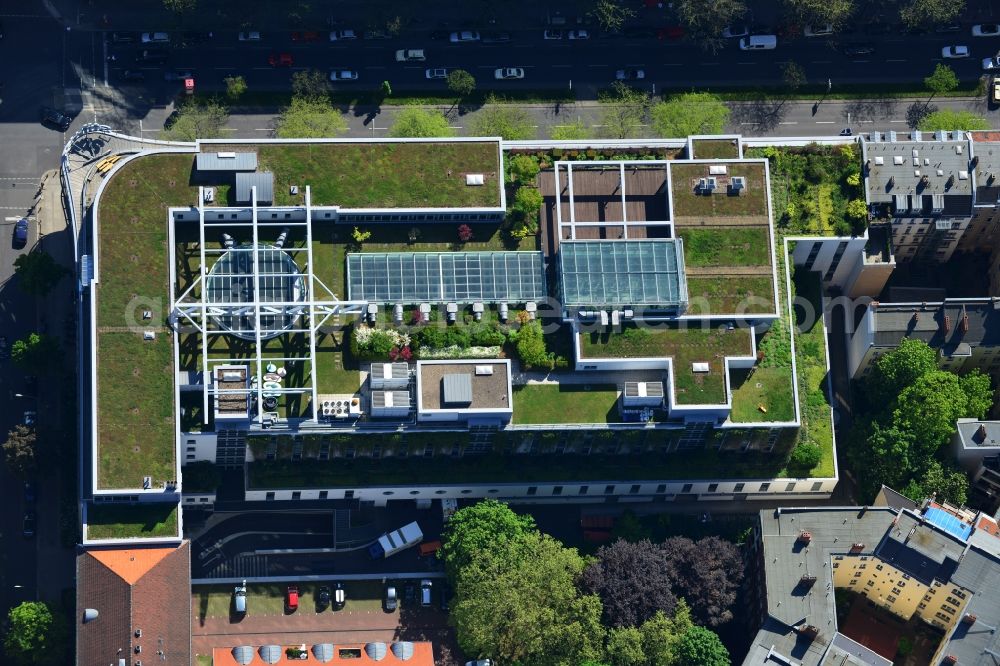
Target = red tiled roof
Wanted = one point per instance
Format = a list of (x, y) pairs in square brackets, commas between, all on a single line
[(423, 655), (985, 135), (133, 589)]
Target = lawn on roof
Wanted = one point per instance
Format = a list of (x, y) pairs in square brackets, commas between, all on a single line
[(130, 521), (566, 403), (688, 203)]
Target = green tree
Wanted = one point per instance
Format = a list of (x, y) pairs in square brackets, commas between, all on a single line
[(611, 15), (309, 117), (624, 110), (235, 87), (574, 131), (793, 76), (625, 647), (805, 456), (525, 211), (701, 647), (503, 120), (523, 169), (899, 368), (689, 113), (38, 272), (706, 26), (35, 635), (310, 83), (461, 83), (35, 353), (946, 484), (952, 119), (531, 347), (927, 12), (414, 121), (472, 530), (180, 6), (20, 450), (821, 11), (928, 408), (386, 89), (662, 633), (518, 602), (857, 209), (941, 81), (979, 392), (197, 119)]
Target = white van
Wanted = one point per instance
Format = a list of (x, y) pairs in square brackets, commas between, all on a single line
[(758, 42)]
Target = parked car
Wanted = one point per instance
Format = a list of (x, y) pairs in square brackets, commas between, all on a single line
[(134, 75), (986, 30), (339, 596), (280, 60), (410, 55), (391, 601), (29, 493), (155, 38), (240, 598), (426, 596), (152, 56), (124, 37), (858, 49), (579, 34), (30, 418), (341, 35), (995, 91), (847, 131), (989, 64), (496, 37), (343, 75), (250, 36), (507, 73), (377, 34), (292, 598), (177, 75), (436, 73), (20, 233), (305, 36), (672, 32), (819, 30), (322, 598), (445, 598), (464, 36), (734, 31), (630, 74), (948, 27), (409, 594), (955, 52), (50, 116), (28, 529), (479, 662), (4, 346), (553, 34)]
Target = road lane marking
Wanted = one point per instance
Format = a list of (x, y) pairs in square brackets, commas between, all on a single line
[(895, 60), (825, 122), (566, 66), (789, 122)]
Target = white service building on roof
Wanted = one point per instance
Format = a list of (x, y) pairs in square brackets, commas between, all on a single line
[(226, 161), (388, 404), (643, 394), (475, 390), (389, 375)]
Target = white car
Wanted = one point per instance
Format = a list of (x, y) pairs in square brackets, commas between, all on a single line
[(155, 38), (955, 52), (337, 35), (505, 73), (630, 74), (986, 30), (579, 34), (734, 31), (464, 36), (410, 55), (821, 30), (437, 73), (990, 64), (553, 34), (251, 36), (479, 662), (343, 75)]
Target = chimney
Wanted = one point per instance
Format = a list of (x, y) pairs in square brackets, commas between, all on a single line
[(916, 317), (969, 618), (965, 321), (805, 537), (857, 547), (946, 323), (981, 433)]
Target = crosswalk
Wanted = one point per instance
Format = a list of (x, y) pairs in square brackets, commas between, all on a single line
[(241, 566)]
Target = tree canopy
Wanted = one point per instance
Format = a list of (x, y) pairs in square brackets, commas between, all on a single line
[(197, 119), (624, 110), (706, 26), (894, 371), (574, 131), (611, 15), (38, 272), (688, 114), (918, 13), (486, 525), (20, 450), (821, 11), (634, 581), (942, 80), (413, 122), (701, 647), (461, 82), (707, 573), (503, 120), (35, 353), (952, 119), (310, 83), (309, 117), (945, 483), (35, 635)]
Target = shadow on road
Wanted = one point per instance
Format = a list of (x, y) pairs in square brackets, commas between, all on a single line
[(765, 113), (862, 110)]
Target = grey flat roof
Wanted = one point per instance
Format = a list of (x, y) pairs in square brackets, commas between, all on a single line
[(457, 389), (978, 434), (263, 181), (223, 161), (895, 322), (943, 168), (981, 573), (638, 272), (986, 149)]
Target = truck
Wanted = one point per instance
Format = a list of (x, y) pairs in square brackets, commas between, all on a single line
[(391, 543)]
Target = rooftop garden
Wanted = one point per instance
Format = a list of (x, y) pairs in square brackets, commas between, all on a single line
[(726, 246), (384, 175), (566, 403), (135, 409), (685, 345), (752, 200), (730, 294), (715, 148), (764, 392), (146, 520)]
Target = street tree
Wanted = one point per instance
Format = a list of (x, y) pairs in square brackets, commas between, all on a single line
[(701, 647), (35, 635), (897, 369), (689, 113), (574, 131), (624, 110), (941, 81), (503, 120), (197, 119), (310, 83), (952, 119), (35, 353), (610, 15), (793, 76), (519, 603), (949, 484), (821, 11), (414, 122), (309, 117), (917, 13), (661, 634), (38, 272), (705, 27), (633, 581), (20, 450), (180, 6), (706, 573), (461, 83), (486, 525), (236, 86)]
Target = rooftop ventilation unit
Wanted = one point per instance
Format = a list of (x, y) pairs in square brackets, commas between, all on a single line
[(717, 170), (937, 204), (223, 156), (941, 135), (147, 482), (473, 179), (805, 537), (738, 183), (917, 136), (857, 547), (900, 204), (879, 160), (892, 135)]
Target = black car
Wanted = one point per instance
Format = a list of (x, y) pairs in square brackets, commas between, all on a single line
[(859, 49), (50, 116), (445, 597), (124, 37), (29, 524), (134, 75), (152, 56), (322, 598), (439, 35), (20, 233), (29, 493), (410, 594), (948, 27)]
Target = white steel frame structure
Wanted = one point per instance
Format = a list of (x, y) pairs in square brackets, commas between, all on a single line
[(307, 314)]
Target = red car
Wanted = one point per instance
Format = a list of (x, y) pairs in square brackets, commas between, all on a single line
[(292, 600), (308, 36), (670, 32), (280, 60)]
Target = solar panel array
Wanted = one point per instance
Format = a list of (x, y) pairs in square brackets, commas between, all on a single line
[(641, 272), (460, 277)]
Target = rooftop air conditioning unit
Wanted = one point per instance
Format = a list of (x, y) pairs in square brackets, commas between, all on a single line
[(482, 370), (147, 482), (209, 194), (711, 183), (149, 335), (738, 183)]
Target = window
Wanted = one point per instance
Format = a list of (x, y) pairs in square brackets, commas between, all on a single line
[(323, 494), (958, 593), (712, 487), (634, 489), (857, 574), (816, 486), (764, 487), (895, 590), (348, 494), (686, 488), (609, 490), (738, 488), (790, 487), (948, 609), (879, 567), (891, 599), (296, 495), (836, 565), (189, 456), (269, 496), (557, 490), (662, 488), (583, 490), (870, 583), (532, 490)]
